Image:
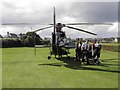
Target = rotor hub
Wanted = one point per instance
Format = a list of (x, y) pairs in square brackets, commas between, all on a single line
[(59, 27)]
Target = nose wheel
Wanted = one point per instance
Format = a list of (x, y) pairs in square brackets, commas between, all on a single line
[(49, 57)]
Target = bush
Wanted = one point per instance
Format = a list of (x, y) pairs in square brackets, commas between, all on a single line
[(6, 43), (30, 39), (111, 48)]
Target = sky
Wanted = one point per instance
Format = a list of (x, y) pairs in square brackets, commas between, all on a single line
[(41, 11)]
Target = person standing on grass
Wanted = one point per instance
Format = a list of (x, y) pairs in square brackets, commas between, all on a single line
[(90, 52), (96, 52), (85, 51), (78, 50)]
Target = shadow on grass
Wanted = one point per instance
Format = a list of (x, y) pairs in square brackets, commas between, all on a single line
[(52, 64), (70, 63), (112, 59)]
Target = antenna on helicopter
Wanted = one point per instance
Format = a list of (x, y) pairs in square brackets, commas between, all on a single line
[(54, 21)]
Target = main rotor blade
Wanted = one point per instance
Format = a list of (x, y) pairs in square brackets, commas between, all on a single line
[(89, 24), (42, 28), (24, 24), (81, 30)]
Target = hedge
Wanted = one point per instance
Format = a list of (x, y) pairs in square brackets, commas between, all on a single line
[(111, 48), (6, 43)]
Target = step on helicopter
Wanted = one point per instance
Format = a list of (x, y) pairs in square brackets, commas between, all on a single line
[(60, 45)]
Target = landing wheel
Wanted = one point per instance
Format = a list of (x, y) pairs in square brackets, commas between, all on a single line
[(49, 57), (68, 57)]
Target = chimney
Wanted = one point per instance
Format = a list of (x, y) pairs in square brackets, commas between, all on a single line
[(8, 34)]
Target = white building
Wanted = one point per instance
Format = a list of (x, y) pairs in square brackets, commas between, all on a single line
[(11, 35), (117, 39)]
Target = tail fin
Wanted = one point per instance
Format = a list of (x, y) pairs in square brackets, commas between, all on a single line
[(54, 49)]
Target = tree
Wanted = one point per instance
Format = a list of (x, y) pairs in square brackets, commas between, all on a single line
[(46, 41), (31, 38)]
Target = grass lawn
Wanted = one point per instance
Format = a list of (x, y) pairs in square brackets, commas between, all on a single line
[(22, 69)]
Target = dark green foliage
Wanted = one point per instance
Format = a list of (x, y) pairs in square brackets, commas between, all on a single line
[(26, 40), (31, 38), (111, 48), (46, 42), (11, 43)]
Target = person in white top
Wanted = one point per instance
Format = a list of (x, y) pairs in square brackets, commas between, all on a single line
[(85, 51)]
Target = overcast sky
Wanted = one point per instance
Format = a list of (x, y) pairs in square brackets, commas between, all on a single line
[(41, 11)]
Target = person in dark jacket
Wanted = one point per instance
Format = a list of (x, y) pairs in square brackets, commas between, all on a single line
[(96, 51), (78, 50), (90, 52)]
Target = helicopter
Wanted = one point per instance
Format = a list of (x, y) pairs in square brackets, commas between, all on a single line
[(60, 45)]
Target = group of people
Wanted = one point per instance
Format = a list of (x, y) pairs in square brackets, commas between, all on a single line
[(86, 52)]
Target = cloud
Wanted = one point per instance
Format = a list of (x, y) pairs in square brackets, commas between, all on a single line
[(96, 11), (113, 30), (89, 11), (41, 11), (114, 27), (14, 29)]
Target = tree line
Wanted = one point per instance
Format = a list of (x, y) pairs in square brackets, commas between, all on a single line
[(25, 40)]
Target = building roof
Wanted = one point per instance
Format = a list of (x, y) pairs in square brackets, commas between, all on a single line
[(12, 35), (1, 36)]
